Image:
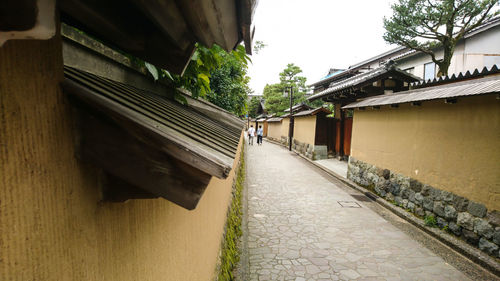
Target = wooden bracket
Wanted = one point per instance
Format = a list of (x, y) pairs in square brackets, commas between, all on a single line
[(135, 169)]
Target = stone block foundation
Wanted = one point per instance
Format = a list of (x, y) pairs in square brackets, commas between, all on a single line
[(455, 214), (313, 152)]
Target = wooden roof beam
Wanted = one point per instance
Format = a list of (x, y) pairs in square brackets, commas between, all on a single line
[(167, 16), (108, 19)]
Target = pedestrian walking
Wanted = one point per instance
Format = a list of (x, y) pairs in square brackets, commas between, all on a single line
[(251, 134), (260, 133)]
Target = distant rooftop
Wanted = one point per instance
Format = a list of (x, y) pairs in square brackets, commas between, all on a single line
[(333, 72), (366, 78), (447, 87), (403, 52)]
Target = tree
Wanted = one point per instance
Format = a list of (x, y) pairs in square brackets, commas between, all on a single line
[(229, 84), (274, 100), (424, 25), (258, 46), (289, 78), (203, 64), (253, 107)]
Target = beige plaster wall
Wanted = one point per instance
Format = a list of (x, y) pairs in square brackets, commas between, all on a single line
[(285, 125), (454, 147), (274, 130), (305, 129), (52, 224)]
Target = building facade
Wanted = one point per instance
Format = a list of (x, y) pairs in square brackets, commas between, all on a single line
[(433, 151)]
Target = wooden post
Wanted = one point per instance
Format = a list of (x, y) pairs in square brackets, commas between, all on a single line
[(341, 138), (290, 128)]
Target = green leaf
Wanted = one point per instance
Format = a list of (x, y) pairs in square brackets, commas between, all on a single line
[(203, 91), (152, 69), (180, 98), (204, 77), (195, 56), (167, 74)]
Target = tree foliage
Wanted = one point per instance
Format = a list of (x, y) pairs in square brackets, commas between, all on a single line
[(423, 25), (274, 100), (229, 85), (213, 74), (253, 107), (258, 46), (273, 94)]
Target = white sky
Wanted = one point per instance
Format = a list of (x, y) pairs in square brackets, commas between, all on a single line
[(316, 35)]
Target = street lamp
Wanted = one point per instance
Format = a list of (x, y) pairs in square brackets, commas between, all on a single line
[(290, 128)]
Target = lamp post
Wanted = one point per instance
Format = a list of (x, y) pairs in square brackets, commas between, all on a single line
[(290, 128)]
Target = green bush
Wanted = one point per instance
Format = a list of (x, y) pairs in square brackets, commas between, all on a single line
[(430, 221)]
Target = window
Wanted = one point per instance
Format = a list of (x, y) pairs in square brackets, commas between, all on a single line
[(410, 70), (429, 71)]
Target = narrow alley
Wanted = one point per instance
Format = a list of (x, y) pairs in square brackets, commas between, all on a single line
[(302, 226)]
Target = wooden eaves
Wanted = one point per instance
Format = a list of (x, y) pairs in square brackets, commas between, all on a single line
[(299, 107), (274, 119), (312, 112), (459, 86), (361, 85), (148, 145), (163, 33)]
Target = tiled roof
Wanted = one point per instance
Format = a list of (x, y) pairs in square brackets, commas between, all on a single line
[(275, 119), (300, 105), (172, 121), (484, 26), (363, 78), (481, 86), (372, 59), (334, 77), (456, 77), (312, 111)]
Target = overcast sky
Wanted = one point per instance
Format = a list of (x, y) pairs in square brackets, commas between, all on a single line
[(316, 35)]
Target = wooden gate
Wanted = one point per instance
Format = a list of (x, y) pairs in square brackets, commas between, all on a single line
[(331, 134), (346, 138)]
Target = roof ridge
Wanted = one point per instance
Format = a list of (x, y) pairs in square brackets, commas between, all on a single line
[(457, 76), (466, 88)]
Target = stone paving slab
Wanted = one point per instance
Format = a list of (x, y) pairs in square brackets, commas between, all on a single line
[(299, 231), (334, 165)]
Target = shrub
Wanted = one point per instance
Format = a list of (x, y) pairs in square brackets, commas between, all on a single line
[(430, 221)]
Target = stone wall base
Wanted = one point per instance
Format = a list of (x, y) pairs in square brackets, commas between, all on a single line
[(313, 152), (455, 214)]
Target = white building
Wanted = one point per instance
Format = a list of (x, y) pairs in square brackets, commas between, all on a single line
[(477, 49)]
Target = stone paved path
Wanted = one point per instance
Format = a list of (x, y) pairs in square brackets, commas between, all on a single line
[(297, 230)]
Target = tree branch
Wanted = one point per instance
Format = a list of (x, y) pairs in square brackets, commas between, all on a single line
[(466, 28)]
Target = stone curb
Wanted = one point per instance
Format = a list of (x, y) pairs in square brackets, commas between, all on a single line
[(286, 147), (470, 252)]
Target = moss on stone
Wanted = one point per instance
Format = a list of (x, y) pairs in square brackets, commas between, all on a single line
[(230, 254)]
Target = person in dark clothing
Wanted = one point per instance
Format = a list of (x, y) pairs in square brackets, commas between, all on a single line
[(260, 133)]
